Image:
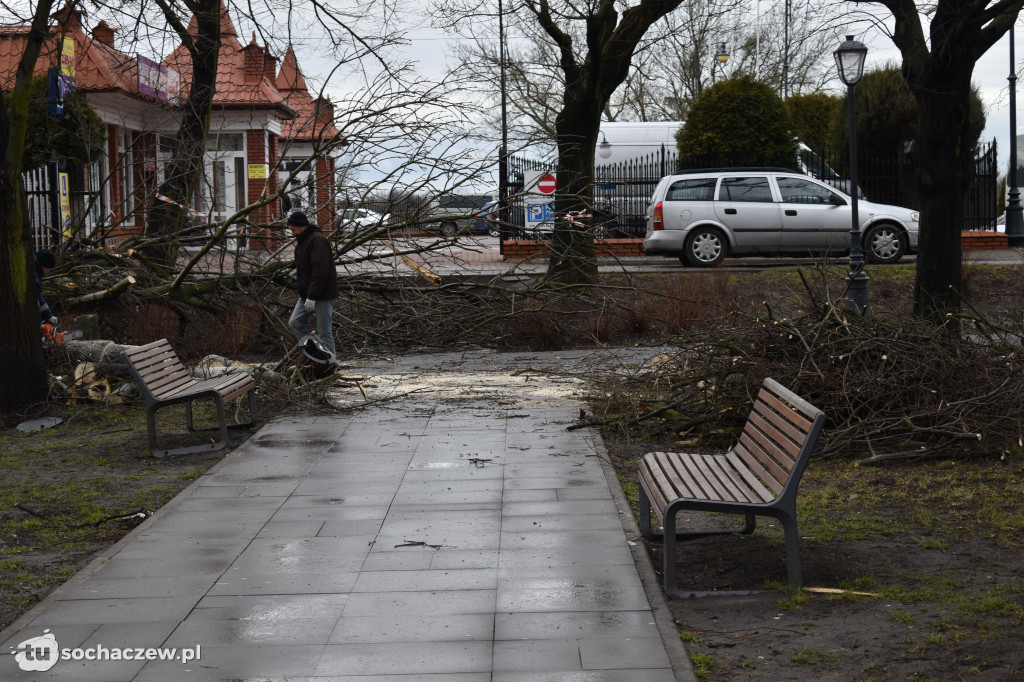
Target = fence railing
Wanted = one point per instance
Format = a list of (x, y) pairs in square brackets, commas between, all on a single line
[(622, 191), (41, 186)]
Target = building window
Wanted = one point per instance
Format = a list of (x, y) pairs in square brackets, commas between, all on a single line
[(126, 171)]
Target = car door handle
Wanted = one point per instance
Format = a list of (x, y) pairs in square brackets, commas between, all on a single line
[(730, 211), (790, 211)]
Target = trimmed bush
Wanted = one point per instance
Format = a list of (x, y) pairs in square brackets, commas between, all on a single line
[(739, 122)]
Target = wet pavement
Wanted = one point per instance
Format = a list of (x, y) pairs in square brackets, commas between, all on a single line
[(453, 529)]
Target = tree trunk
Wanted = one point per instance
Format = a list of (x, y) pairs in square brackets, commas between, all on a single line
[(572, 247), (183, 173), (943, 164), (22, 363)]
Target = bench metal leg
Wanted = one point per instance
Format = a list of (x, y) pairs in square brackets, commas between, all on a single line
[(644, 522), (253, 416), (668, 549), (205, 447), (792, 533)]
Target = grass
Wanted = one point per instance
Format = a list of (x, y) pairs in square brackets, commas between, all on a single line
[(703, 664), (63, 487), (815, 658)]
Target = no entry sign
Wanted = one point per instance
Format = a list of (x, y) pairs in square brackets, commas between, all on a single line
[(546, 184)]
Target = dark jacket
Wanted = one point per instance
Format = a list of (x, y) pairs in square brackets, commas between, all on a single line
[(44, 310), (314, 263)]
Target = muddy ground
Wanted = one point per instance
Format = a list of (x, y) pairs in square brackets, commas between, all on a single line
[(922, 581)]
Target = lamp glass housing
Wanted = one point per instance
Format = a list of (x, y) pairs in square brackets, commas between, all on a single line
[(723, 54), (604, 148), (850, 58)]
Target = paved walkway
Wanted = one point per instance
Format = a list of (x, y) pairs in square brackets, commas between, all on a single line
[(458, 533)]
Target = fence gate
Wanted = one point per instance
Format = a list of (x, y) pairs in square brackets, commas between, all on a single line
[(42, 199)]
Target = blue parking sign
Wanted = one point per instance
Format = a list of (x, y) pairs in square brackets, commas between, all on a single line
[(540, 213)]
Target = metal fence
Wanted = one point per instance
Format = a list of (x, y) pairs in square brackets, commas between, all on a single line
[(42, 197), (622, 191)]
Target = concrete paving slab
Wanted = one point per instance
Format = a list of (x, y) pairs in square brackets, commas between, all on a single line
[(458, 534)]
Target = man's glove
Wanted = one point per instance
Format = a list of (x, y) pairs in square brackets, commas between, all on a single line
[(310, 305), (54, 321)]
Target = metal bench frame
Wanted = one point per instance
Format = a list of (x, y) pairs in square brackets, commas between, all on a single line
[(758, 477), (164, 381)]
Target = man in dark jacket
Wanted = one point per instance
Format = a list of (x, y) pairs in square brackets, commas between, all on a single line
[(318, 280), (45, 261)]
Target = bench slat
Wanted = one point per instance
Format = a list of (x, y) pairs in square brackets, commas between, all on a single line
[(776, 443), (752, 481), (810, 412), (756, 461), (800, 424), (781, 421), (731, 485)]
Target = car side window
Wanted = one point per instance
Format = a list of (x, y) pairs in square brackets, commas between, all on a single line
[(745, 189), (799, 191), (691, 189)]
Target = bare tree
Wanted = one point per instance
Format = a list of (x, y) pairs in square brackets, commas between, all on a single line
[(938, 65)]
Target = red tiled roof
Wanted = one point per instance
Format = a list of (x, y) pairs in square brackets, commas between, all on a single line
[(235, 89), (98, 67), (314, 118)]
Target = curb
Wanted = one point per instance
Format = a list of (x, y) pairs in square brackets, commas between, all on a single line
[(678, 656)]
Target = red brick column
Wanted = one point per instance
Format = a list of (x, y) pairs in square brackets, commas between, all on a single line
[(324, 195)]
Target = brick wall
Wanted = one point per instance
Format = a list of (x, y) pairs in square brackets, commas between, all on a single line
[(618, 248), (982, 240), (324, 195)]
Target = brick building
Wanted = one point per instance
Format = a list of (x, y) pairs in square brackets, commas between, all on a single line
[(138, 99)]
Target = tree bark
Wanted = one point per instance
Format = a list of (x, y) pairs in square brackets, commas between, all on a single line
[(186, 166), (589, 85), (22, 363), (938, 69), (942, 161)]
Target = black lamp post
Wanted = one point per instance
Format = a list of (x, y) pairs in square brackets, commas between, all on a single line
[(1014, 212), (850, 60), (503, 208)]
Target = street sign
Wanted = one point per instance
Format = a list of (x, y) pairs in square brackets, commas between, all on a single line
[(538, 202)]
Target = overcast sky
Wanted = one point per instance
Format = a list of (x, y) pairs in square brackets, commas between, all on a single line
[(430, 50)]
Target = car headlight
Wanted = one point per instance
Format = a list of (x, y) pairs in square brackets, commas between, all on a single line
[(915, 216)]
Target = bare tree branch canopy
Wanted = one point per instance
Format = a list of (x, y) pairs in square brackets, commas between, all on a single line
[(938, 65)]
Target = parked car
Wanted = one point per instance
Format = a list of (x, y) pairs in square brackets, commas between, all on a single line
[(458, 213), (488, 220), (703, 216), (353, 219)]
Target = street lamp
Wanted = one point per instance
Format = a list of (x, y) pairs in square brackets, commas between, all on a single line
[(723, 54), (604, 149), (850, 61), (1014, 217), (503, 212)]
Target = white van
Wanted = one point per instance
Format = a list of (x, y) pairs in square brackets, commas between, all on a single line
[(619, 142)]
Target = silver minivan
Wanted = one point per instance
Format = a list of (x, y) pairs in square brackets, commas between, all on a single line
[(703, 216)]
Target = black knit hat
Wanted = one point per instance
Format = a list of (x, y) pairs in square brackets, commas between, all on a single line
[(298, 218), (46, 259)]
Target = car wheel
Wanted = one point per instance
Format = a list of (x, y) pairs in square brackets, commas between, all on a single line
[(884, 244), (448, 229), (705, 247), (493, 229)]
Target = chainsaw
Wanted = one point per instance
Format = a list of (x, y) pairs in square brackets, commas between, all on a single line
[(53, 338)]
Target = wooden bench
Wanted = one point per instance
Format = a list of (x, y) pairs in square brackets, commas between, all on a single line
[(758, 477), (164, 381)]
